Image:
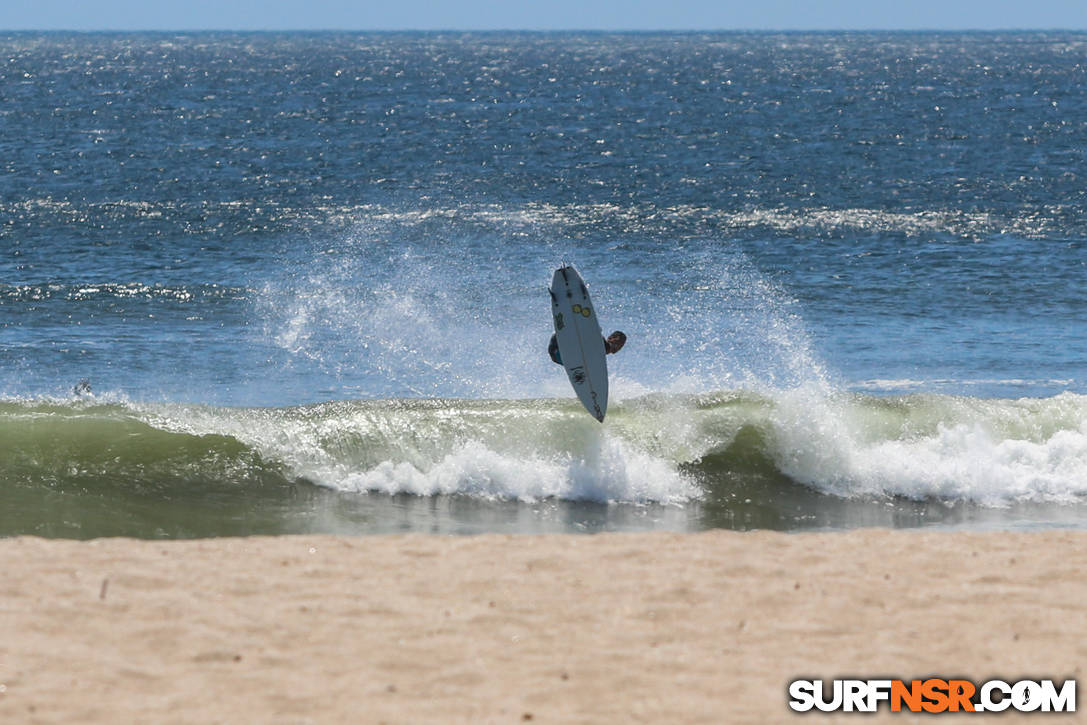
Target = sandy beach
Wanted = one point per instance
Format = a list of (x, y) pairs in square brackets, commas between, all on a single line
[(664, 628)]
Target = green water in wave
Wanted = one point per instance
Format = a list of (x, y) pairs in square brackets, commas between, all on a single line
[(731, 459)]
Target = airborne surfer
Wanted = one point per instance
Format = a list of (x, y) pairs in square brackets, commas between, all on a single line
[(613, 343), (573, 345)]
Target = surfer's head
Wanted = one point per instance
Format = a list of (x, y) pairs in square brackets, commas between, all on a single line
[(615, 342)]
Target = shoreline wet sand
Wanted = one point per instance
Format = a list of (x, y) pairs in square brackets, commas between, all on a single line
[(708, 627)]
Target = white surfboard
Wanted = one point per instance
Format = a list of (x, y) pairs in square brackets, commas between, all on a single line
[(581, 343)]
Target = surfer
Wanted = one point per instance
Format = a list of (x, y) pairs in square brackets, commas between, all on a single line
[(613, 343)]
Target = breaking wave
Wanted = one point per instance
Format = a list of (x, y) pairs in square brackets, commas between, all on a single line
[(670, 449)]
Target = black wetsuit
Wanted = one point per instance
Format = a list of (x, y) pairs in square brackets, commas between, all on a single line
[(553, 350)]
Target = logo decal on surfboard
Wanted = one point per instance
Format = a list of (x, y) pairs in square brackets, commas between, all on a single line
[(583, 311)]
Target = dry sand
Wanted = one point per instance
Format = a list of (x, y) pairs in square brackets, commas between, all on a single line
[(665, 628)]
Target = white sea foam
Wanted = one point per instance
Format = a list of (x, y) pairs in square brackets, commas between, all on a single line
[(611, 471), (991, 452)]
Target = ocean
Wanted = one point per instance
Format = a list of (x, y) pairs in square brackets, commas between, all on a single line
[(275, 283)]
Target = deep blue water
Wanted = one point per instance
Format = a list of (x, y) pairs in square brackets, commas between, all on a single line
[(850, 265)]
